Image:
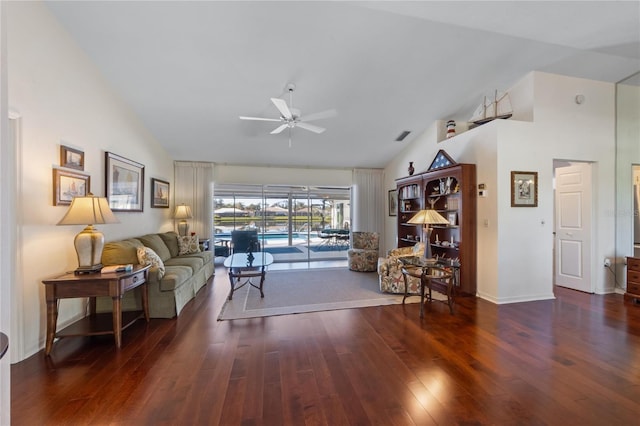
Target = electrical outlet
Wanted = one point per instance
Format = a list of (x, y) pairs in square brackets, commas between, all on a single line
[(607, 262)]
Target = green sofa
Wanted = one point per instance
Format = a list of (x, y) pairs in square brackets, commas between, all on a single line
[(184, 274)]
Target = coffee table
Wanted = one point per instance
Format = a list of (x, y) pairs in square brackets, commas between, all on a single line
[(246, 266)]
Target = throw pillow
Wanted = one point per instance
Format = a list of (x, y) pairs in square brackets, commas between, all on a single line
[(147, 256), (188, 244)]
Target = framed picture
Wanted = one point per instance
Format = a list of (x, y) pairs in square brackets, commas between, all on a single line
[(124, 183), (524, 189), (71, 158), (67, 185), (393, 202), (452, 217), (159, 193)]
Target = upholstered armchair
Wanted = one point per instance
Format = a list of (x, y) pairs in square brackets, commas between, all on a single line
[(390, 270), (363, 254)]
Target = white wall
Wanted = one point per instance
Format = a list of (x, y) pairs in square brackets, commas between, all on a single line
[(7, 221), (282, 175), (515, 247), (62, 99)]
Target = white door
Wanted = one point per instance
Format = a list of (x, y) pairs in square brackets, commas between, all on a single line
[(573, 227)]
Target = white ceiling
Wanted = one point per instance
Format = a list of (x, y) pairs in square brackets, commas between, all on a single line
[(189, 69)]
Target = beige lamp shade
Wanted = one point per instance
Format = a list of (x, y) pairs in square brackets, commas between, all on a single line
[(183, 212), (428, 217), (89, 210)]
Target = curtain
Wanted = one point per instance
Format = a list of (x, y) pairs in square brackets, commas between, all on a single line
[(368, 201), (194, 187)]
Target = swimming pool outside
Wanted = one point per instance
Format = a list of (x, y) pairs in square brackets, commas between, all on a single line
[(279, 238), (303, 247)]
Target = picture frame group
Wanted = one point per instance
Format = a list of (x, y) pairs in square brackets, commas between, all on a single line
[(393, 202), (124, 183), (71, 158), (524, 189), (68, 184), (159, 193)]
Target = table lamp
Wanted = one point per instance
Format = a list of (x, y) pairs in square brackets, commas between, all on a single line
[(183, 212), (89, 210), (426, 218)]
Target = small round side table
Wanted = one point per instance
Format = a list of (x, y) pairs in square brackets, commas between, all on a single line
[(427, 274)]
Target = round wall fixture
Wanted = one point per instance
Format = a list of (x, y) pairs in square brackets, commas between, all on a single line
[(579, 99)]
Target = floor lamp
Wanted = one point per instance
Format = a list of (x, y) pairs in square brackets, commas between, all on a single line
[(426, 218)]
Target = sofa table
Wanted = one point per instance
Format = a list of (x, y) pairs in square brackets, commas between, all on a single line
[(114, 285)]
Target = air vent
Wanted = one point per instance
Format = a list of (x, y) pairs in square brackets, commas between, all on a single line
[(403, 135)]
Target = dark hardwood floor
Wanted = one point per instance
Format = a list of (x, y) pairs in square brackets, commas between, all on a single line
[(571, 361)]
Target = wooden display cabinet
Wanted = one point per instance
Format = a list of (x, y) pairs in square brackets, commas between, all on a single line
[(450, 190)]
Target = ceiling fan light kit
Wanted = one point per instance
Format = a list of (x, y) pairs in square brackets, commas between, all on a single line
[(291, 117)]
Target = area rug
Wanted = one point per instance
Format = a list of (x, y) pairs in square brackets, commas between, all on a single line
[(298, 291), (282, 250)]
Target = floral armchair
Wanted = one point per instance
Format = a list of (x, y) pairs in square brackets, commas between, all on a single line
[(390, 270), (363, 254)]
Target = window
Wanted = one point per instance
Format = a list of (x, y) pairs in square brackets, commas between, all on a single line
[(295, 223)]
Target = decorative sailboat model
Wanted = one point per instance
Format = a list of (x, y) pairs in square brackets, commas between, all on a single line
[(490, 110)]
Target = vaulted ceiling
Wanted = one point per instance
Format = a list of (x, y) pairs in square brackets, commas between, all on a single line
[(190, 69)]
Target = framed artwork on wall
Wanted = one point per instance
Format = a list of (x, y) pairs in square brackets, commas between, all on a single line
[(124, 183), (393, 202), (159, 193), (524, 189), (71, 158), (67, 185)]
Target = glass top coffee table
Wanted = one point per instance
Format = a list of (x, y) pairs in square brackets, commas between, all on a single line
[(437, 275), (246, 266)]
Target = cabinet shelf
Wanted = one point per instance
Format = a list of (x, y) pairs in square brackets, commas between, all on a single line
[(440, 246), (409, 240), (451, 194)]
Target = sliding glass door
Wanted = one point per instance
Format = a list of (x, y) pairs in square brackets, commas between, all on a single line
[(294, 223)]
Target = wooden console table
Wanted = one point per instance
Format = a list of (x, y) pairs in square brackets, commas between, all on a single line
[(633, 280), (114, 285)]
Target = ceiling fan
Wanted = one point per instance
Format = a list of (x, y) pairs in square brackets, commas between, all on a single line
[(291, 117)]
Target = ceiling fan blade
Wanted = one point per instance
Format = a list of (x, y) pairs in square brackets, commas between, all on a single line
[(282, 107), (320, 115), (279, 129), (259, 118), (311, 127)]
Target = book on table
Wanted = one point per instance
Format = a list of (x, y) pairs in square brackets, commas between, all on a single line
[(117, 268)]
